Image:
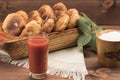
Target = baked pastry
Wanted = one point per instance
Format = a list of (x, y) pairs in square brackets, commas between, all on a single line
[(62, 17), (35, 15), (32, 28), (13, 24), (23, 14), (59, 7), (48, 17), (62, 22), (74, 16), (46, 12), (60, 13), (48, 25)]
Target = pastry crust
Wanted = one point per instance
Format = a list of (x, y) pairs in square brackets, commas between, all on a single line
[(62, 18), (35, 15), (48, 25), (48, 17), (32, 28), (59, 7), (62, 23), (23, 14), (74, 16), (13, 24), (46, 12)]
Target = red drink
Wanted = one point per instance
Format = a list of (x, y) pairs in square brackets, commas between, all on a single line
[(38, 56)]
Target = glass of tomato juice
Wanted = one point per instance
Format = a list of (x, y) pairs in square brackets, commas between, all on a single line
[(38, 56)]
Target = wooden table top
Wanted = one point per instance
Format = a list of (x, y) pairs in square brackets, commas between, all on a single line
[(12, 72), (96, 72)]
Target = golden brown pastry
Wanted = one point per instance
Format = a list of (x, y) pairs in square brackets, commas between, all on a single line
[(46, 12), (60, 13), (35, 15), (48, 17), (74, 16), (59, 7), (62, 18), (13, 24), (23, 14), (72, 11), (62, 22), (32, 28), (48, 25)]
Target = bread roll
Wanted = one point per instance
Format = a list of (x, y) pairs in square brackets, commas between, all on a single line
[(23, 14), (59, 7), (60, 14), (35, 15), (32, 28), (48, 25), (46, 12), (61, 23), (13, 24), (48, 17), (74, 16), (62, 17)]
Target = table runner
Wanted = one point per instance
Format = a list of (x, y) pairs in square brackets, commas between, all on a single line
[(66, 63)]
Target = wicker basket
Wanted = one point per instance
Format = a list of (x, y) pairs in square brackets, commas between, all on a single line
[(57, 40), (16, 48)]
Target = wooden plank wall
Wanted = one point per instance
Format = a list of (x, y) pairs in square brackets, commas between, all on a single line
[(92, 8)]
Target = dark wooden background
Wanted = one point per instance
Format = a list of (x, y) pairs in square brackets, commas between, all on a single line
[(93, 8)]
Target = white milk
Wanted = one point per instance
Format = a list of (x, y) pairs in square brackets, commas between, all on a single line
[(111, 36)]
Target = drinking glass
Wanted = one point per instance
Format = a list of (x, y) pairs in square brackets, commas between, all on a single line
[(38, 56)]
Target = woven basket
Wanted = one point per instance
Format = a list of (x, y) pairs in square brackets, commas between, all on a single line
[(16, 49), (60, 40), (57, 40)]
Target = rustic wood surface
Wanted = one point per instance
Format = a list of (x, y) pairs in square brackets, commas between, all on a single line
[(93, 68), (12, 72)]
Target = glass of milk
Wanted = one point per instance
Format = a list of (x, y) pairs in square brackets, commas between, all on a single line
[(108, 48)]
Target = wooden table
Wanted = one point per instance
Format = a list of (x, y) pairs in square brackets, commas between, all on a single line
[(93, 68), (12, 72)]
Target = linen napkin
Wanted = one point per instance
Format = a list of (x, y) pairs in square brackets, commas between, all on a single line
[(65, 63)]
